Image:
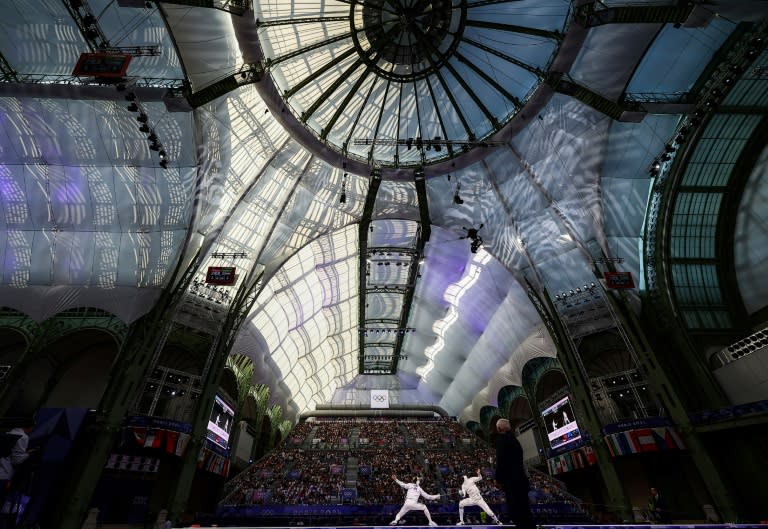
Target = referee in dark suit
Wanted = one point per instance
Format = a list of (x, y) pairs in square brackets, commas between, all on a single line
[(511, 474)]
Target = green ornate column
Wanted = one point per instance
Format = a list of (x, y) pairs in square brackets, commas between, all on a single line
[(583, 406)]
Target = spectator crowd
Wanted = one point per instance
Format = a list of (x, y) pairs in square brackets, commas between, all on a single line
[(317, 463)]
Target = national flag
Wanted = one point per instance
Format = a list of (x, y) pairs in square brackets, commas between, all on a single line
[(645, 440), (171, 438), (626, 444), (154, 439), (140, 434)]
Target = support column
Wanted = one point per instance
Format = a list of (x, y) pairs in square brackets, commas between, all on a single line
[(667, 394), (179, 494), (583, 406), (217, 361), (145, 337)]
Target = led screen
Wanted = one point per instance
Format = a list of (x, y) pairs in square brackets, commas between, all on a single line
[(560, 423), (220, 422)]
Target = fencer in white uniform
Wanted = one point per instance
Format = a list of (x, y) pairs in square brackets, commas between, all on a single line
[(473, 497), (412, 501)]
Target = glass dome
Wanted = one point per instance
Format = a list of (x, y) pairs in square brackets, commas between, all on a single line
[(408, 82)]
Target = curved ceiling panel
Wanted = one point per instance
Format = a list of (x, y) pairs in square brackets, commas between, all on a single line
[(307, 314)]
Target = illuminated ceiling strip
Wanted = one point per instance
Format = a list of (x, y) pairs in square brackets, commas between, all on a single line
[(453, 295)]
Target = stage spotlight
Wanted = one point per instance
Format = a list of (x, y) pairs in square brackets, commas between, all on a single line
[(457, 199), (133, 107)]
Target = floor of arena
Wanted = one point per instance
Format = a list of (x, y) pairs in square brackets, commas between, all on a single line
[(485, 526)]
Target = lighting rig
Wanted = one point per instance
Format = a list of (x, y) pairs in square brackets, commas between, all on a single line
[(422, 144), (745, 346), (134, 105), (575, 296)]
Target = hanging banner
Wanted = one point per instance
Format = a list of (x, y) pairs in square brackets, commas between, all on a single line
[(379, 398), (636, 424), (644, 440), (619, 280), (580, 458), (173, 442), (212, 462)]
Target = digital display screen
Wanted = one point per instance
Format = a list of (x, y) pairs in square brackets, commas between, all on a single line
[(102, 65), (220, 275), (560, 423), (620, 280), (220, 422)]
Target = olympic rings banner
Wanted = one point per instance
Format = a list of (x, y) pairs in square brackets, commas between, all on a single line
[(379, 398)]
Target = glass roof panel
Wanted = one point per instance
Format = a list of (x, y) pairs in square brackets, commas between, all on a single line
[(678, 56), (545, 14)]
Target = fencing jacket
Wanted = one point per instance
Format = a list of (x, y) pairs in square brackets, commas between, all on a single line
[(414, 492)]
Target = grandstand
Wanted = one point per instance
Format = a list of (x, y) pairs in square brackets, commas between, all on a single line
[(338, 471)]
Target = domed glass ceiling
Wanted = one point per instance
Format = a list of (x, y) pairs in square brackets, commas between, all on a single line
[(408, 82)]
